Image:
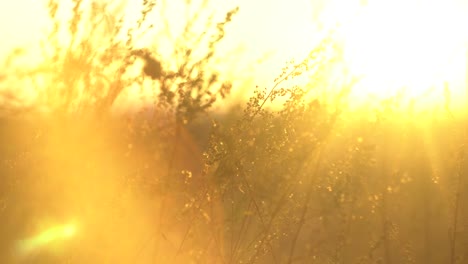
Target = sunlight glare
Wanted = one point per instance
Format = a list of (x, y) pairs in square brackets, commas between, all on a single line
[(411, 46)]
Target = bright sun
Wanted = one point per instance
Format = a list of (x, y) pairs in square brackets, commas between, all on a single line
[(410, 46)]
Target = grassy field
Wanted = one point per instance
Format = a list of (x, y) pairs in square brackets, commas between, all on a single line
[(293, 175)]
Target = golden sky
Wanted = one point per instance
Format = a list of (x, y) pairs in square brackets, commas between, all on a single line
[(260, 28), (387, 43)]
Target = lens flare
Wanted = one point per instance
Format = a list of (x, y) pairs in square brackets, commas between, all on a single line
[(53, 234)]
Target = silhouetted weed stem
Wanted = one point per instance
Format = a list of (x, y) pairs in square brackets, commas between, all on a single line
[(263, 234), (272, 90), (245, 222), (316, 55), (305, 207), (257, 209), (454, 231)]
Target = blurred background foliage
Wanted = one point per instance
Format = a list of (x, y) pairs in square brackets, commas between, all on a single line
[(292, 175)]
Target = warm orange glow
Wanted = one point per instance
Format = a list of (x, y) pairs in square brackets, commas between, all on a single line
[(114, 149), (417, 47)]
